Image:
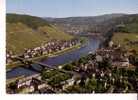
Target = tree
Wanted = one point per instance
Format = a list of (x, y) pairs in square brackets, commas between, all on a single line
[(82, 60), (132, 59), (91, 85), (68, 67), (13, 86), (75, 63), (58, 78), (131, 73), (75, 89), (47, 74), (106, 63), (136, 72), (124, 71), (136, 60)]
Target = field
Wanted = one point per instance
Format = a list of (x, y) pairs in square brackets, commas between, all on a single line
[(124, 38)]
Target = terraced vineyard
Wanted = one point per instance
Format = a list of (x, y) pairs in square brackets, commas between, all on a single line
[(24, 31)]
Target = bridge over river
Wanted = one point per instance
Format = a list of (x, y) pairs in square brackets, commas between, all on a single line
[(43, 65), (53, 62)]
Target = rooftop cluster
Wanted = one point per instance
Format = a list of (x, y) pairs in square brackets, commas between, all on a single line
[(108, 70)]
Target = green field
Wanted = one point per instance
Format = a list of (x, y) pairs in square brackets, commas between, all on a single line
[(124, 38)]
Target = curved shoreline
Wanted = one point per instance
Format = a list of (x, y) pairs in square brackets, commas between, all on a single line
[(13, 65), (90, 44)]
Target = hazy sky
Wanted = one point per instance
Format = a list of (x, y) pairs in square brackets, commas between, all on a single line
[(67, 8)]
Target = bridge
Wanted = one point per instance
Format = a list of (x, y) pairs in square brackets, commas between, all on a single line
[(43, 65)]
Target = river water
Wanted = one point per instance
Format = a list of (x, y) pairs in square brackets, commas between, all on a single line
[(92, 44)]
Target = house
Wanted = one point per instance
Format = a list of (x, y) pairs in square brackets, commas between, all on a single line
[(121, 64), (41, 86), (125, 63), (99, 58), (78, 81), (102, 74), (93, 75), (60, 67), (68, 83), (21, 83), (105, 85), (111, 44), (26, 80)]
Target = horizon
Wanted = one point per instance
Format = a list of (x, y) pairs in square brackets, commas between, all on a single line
[(71, 8), (74, 16)]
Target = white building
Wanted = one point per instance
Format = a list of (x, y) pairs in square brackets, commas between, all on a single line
[(99, 58), (111, 44)]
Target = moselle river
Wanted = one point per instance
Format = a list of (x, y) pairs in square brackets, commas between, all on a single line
[(92, 44)]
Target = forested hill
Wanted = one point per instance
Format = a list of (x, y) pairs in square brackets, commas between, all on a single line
[(25, 31), (84, 20), (98, 24), (30, 21), (90, 23)]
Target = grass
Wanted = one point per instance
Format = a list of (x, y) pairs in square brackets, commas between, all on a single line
[(124, 38)]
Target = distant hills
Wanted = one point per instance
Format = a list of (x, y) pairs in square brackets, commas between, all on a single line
[(85, 19), (25, 31), (96, 24)]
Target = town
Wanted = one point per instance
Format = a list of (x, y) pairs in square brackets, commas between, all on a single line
[(111, 69), (48, 49)]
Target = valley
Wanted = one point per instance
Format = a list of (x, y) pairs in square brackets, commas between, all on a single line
[(95, 54)]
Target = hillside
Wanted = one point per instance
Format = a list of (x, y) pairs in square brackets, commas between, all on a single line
[(129, 41), (24, 31), (127, 23), (82, 24), (99, 24), (125, 33), (30, 21)]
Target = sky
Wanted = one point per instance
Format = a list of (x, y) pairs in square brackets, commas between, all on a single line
[(70, 8)]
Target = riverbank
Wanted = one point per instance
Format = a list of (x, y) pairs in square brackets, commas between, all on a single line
[(83, 41), (90, 45)]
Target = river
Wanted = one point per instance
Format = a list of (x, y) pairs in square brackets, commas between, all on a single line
[(91, 46)]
